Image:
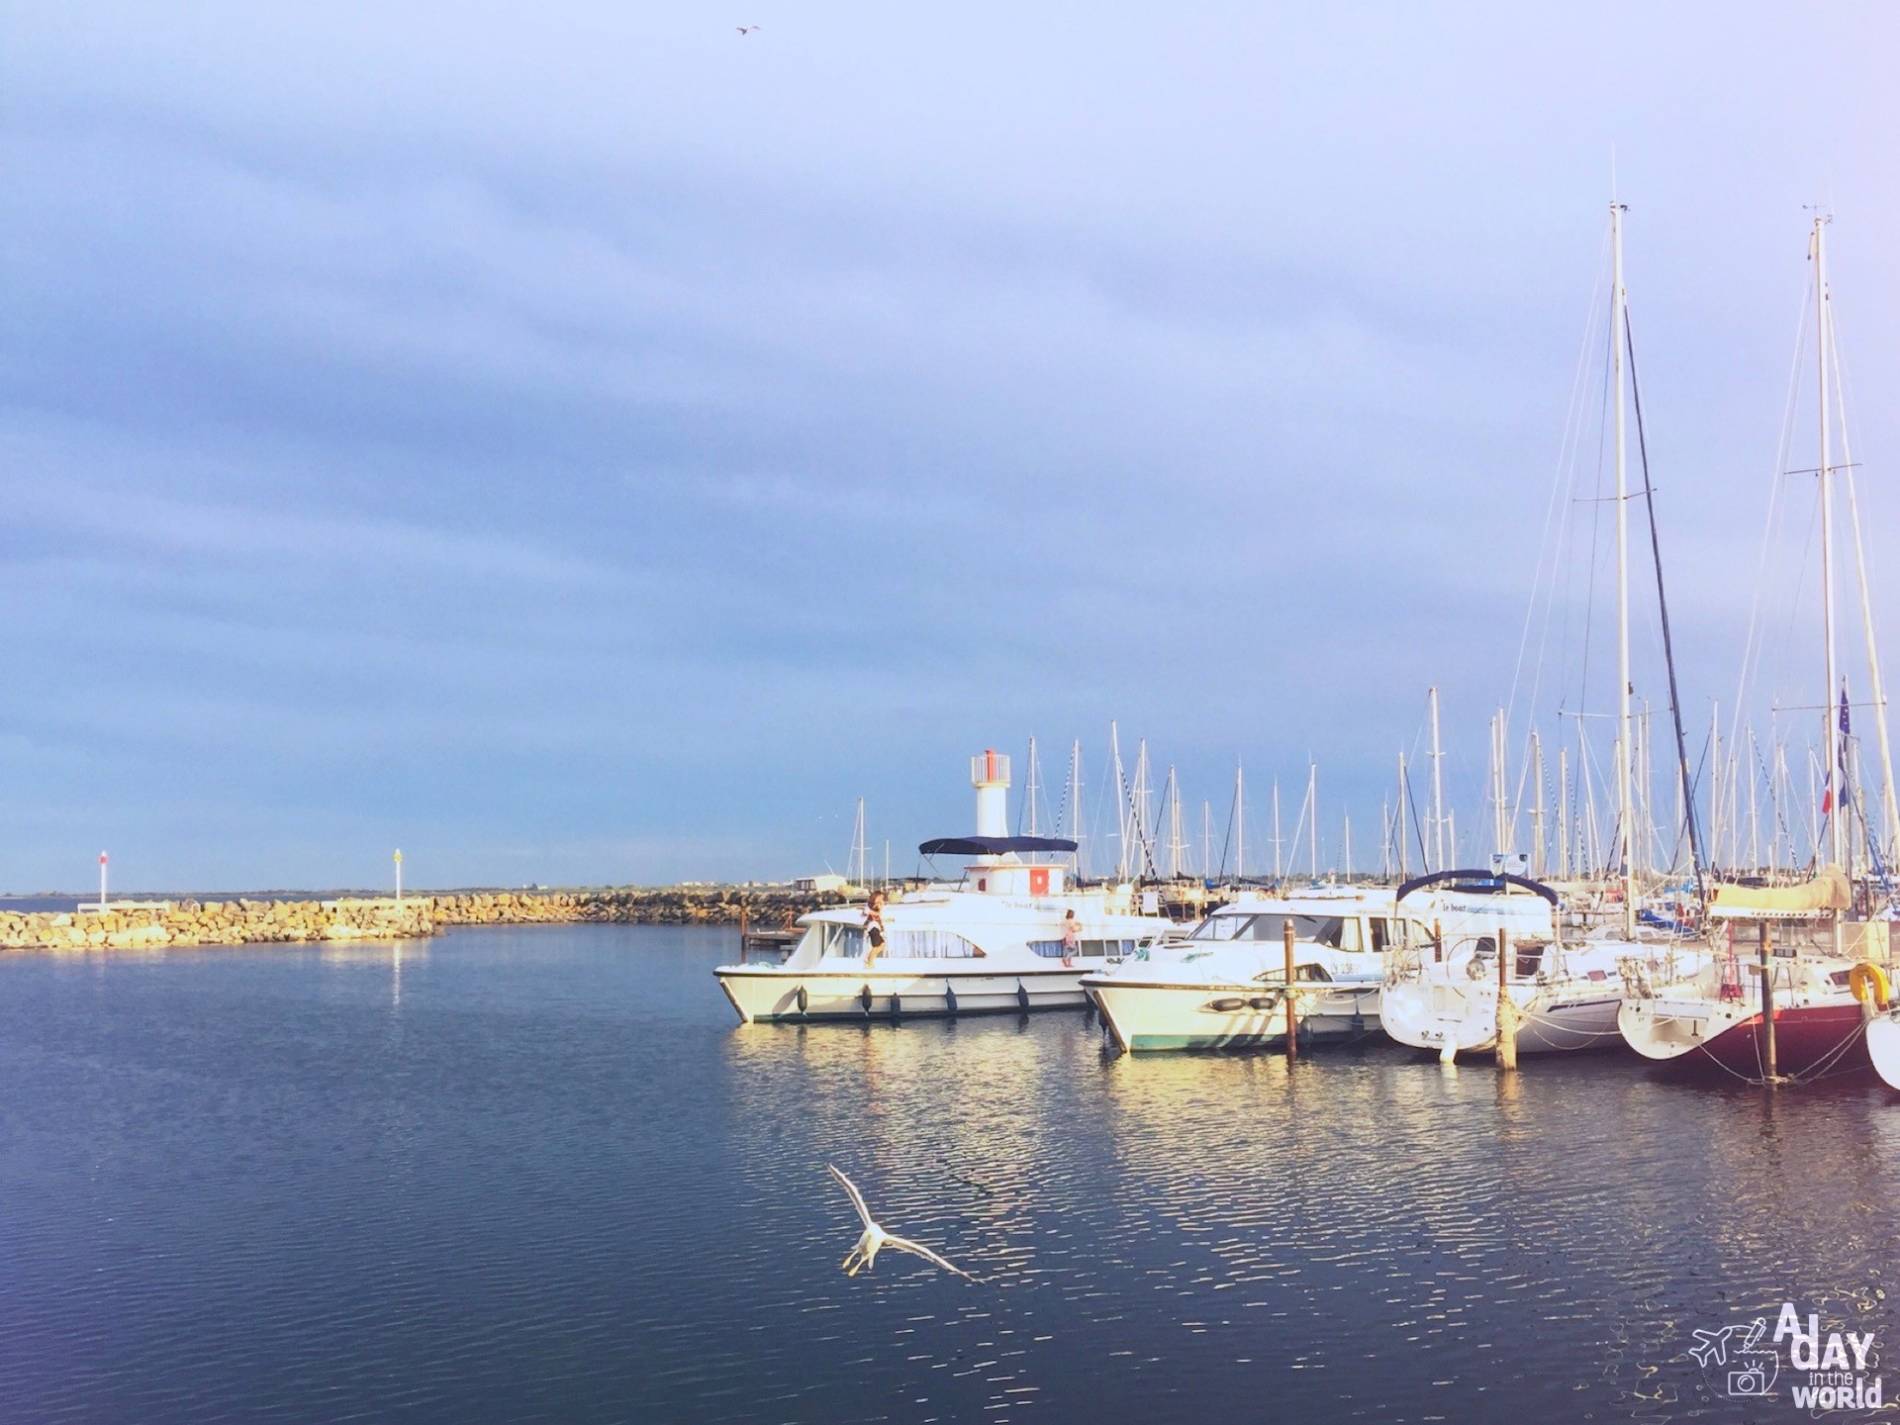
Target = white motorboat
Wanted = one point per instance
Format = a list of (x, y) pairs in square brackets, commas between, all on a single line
[(1223, 986), (991, 942)]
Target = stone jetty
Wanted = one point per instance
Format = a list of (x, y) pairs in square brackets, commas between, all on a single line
[(148, 925)]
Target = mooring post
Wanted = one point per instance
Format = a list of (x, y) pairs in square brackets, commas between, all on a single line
[(1507, 1007), (745, 940), (1292, 1009), (1768, 1000)]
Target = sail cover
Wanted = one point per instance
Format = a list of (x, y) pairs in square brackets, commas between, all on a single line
[(1828, 892)]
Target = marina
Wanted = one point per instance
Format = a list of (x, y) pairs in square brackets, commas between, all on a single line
[(846, 716)]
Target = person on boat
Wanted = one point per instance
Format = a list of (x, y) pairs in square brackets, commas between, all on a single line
[(874, 928), (1071, 937)]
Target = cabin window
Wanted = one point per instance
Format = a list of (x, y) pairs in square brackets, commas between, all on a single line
[(1222, 927), (1320, 929), (1085, 949), (929, 945), (846, 941)]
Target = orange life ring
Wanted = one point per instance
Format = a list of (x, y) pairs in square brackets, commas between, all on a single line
[(1866, 978)]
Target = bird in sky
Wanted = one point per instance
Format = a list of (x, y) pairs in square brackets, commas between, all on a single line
[(745, 29), (875, 1238)]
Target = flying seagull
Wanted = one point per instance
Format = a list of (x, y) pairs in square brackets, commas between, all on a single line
[(745, 29), (864, 1254)]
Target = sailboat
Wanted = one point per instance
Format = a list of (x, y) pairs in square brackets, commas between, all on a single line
[(1799, 1006), (1568, 995)]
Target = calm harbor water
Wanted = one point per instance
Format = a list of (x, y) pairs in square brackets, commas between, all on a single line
[(539, 1174)]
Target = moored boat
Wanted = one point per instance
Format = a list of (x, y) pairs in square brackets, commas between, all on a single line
[(992, 942), (1224, 985)]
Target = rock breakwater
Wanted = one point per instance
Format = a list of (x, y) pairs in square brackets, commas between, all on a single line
[(137, 925)]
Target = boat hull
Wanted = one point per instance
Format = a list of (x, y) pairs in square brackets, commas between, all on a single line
[(1883, 1048), (1156, 1018), (1434, 1016), (771, 994), (1730, 1035)]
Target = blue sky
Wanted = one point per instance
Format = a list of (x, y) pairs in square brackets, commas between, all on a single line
[(590, 445)]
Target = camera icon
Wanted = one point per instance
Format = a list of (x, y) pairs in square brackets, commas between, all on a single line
[(1752, 1382)]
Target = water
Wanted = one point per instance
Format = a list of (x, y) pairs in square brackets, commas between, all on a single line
[(539, 1174)]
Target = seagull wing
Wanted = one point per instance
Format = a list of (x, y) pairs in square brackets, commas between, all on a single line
[(904, 1244), (857, 1198)]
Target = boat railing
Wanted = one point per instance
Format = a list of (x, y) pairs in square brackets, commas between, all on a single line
[(767, 944)]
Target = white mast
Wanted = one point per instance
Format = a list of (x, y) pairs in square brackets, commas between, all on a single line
[(1438, 791), (1118, 784), (1404, 800), (1075, 805), (1348, 847), (1240, 821), (1563, 813), (1175, 844), (1207, 839), (1385, 838), (1278, 869), (856, 855), (1537, 808), (1312, 803), (1829, 716), (1619, 299)]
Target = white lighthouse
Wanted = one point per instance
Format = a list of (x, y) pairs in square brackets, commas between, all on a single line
[(989, 774)]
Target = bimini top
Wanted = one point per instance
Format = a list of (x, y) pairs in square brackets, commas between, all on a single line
[(1480, 881), (992, 845)]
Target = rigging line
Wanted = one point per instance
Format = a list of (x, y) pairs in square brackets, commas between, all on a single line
[(1596, 524), (1561, 545), (1418, 830), (1662, 605), (1889, 808), (1571, 420), (1752, 646)]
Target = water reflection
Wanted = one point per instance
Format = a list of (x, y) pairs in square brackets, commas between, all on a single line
[(538, 1173)]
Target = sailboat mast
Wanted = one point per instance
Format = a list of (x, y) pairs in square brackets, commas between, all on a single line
[(1537, 808), (1240, 821), (1312, 804), (1619, 299), (1438, 791), (1404, 800), (1829, 715), (1075, 806)]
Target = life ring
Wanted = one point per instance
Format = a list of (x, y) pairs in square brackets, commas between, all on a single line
[(1866, 978)]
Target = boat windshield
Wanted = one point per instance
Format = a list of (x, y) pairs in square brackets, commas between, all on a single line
[(1271, 925)]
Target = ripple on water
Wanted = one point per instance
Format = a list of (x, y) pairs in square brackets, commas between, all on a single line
[(538, 1174)]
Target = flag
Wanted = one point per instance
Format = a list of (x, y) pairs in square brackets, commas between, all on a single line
[(1841, 755)]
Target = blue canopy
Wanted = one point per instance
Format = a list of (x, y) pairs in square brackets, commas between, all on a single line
[(992, 845)]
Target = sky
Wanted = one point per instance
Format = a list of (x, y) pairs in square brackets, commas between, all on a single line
[(589, 444)]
